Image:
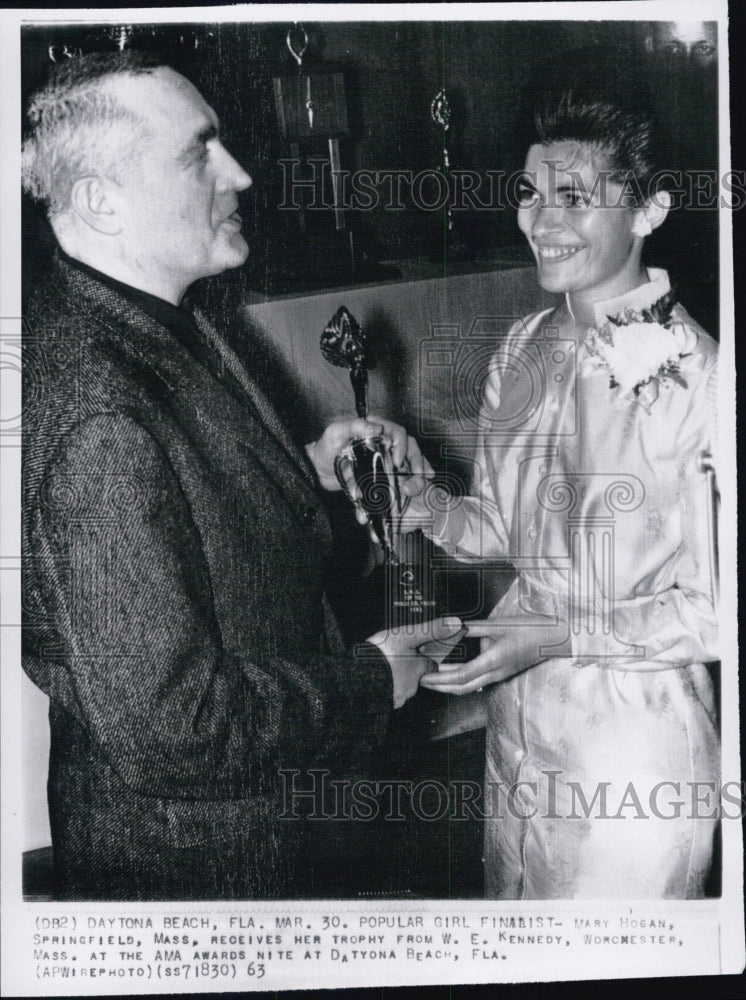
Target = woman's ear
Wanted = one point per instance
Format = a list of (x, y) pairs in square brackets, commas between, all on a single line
[(652, 214)]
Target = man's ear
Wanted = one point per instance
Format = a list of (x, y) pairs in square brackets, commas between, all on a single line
[(91, 203), (652, 214)]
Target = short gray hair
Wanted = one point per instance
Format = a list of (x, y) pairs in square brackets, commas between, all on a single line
[(70, 121)]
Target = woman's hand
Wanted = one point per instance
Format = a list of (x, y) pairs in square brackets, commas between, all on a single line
[(513, 648)]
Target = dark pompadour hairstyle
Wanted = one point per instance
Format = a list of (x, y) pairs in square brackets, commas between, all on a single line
[(598, 98)]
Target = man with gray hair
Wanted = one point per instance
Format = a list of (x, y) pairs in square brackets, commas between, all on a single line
[(174, 536)]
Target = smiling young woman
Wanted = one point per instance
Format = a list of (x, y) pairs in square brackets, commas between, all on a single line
[(594, 663), (579, 224)]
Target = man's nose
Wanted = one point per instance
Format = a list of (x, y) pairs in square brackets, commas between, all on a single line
[(233, 177)]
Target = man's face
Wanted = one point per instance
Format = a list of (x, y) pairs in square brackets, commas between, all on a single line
[(179, 210), (693, 43)]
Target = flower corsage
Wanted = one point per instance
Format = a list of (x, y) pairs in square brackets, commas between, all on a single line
[(643, 350)]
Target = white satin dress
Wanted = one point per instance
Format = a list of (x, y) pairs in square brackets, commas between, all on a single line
[(601, 505)]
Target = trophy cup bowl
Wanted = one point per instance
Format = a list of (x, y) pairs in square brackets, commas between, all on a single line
[(373, 470)]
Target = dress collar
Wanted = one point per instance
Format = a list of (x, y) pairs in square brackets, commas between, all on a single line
[(638, 299)]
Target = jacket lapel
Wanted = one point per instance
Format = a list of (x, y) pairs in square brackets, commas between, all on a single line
[(261, 404), (151, 344)]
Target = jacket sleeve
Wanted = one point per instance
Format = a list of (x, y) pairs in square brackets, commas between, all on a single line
[(473, 528), (470, 527), (119, 567)]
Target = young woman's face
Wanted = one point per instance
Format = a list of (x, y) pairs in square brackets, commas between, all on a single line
[(578, 223)]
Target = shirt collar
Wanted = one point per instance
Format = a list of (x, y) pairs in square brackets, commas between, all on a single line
[(172, 317), (638, 299)]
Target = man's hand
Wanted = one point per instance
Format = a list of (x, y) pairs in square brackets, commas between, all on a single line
[(512, 648), (413, 650), (414, 469)]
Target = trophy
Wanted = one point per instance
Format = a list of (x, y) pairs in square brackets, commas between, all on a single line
[(343, 343)]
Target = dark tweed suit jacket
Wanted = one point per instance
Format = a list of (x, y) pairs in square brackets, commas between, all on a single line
[(173, 549)]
